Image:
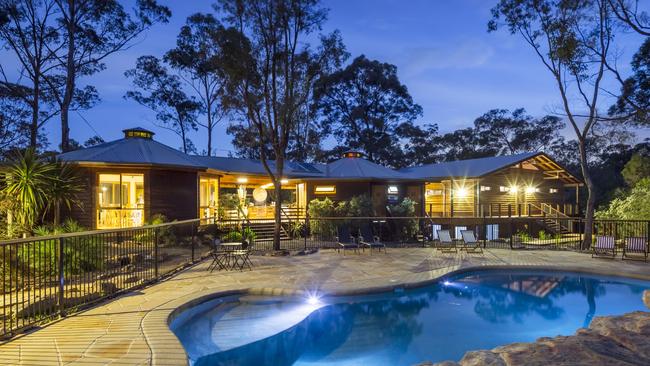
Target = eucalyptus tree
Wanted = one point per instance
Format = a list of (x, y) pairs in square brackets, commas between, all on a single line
[(574, 41), (272, 69), (92, 30), (517, 132), (162, 92), (368, 107), (29, 32), (198, 58)]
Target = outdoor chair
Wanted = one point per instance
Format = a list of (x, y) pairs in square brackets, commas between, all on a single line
[(470, 243), (367, 239), (241, 257), (446, 244), (219, 257), (345, 240), (605, 247), (637, 246)]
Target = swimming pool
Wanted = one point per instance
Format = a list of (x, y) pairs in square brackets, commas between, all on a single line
[(442, 321)]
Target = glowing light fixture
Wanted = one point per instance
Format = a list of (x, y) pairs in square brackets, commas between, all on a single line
[(513, 189), (242, 180), (313, 300), (393, 190), (284, 181), (531, 190), (325, 189), (461, 192), (446, 283)]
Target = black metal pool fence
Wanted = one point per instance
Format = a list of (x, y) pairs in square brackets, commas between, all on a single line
[(51, 276)]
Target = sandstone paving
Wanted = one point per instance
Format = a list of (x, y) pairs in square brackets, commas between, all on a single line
[(133, 329)]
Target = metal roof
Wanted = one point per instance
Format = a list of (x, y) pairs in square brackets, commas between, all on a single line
[(359, 168), (252, 166), (136, 151), (470, 168)]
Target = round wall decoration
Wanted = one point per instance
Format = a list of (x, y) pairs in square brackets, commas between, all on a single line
[(260, 194)]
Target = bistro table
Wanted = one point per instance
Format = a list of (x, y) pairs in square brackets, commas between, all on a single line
[(229, 257)]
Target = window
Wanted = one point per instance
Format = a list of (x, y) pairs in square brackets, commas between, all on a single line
[(485, 188), (458, 230), (208, 197), (434, 192), (492, 231), (120, 200), (504, 189), (325, 190), (393, 190), (553, 190)]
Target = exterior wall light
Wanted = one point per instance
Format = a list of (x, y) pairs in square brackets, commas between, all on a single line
[(461, 192), (531, 190), (242, 180), (284, 181), (552, 190), (513, 189), (393, 190)]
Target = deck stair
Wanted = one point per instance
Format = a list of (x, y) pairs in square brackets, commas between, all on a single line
[(264, 230), (554, 220)]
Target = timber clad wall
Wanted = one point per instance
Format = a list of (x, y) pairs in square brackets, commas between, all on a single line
[(173, 194), (85, 215), (438, 203)]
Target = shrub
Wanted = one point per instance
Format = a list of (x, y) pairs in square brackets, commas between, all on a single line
[(403, 229), (82, 254), (319, 209)]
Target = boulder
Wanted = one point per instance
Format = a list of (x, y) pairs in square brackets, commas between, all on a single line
[(612, 340)]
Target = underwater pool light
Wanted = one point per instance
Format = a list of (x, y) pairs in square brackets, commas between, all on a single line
[(313, 300)]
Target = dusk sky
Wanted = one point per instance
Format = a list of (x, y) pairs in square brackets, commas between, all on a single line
[(453, 68)]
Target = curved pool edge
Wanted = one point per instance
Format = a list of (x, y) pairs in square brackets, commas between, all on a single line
[(166, 348)]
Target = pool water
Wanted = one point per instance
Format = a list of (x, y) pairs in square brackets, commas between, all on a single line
[(478, 310)]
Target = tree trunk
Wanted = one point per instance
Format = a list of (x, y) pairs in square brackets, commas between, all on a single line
[(70, 79), (57, 214), (591, 198), (36, 100), (209, 126)]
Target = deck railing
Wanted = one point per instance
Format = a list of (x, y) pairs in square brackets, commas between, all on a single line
[(46, 277)]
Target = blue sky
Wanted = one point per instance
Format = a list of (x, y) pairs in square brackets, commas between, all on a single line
[(453, 68)]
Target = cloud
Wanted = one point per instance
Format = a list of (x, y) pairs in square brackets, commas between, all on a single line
[(462, 55)]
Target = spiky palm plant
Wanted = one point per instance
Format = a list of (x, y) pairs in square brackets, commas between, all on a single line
[(26, 182), (64, 185)]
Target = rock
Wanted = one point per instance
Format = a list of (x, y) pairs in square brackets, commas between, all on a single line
[(108, 288), (616, 340)]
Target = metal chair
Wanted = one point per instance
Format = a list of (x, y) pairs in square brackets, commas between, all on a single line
[(367, 239), (605, 247)]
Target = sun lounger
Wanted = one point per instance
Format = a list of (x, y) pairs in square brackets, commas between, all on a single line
[(605, 246), (345, 240), (446, 244), (470, 243), (636, 247), (369, 240)]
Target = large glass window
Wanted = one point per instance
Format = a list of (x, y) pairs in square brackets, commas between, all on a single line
[(120, 201), (208, 197)]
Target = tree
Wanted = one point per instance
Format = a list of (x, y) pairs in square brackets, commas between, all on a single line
[(14, 122), (573, 41), (163, 94), (423, 144), (92, 30), (627, 11), (27, 31), (634, 205), (636, 169), (272, 69), (633, 104), (367, 106), (198, 58), (517, 132), (464, 144)]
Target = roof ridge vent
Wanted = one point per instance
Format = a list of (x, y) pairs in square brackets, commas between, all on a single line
[(138, 132)]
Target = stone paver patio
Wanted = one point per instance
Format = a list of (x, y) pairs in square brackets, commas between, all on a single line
[(132, 329)]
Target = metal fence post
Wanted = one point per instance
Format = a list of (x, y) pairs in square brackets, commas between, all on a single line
[(193, 239), (155, 253), (61, 279), (304, 229)]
